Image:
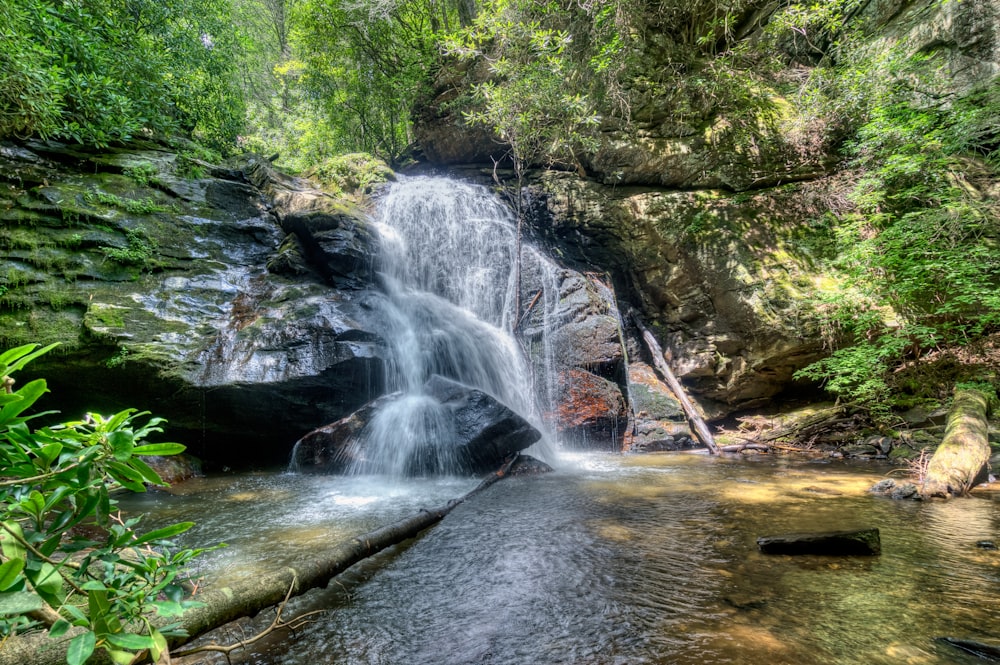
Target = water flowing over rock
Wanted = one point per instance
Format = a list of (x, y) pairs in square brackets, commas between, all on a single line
[(470, 432)]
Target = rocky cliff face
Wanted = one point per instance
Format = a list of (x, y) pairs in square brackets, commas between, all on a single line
[(235, 302)]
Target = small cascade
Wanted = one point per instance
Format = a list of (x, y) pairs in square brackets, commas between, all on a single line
[(447, 266)]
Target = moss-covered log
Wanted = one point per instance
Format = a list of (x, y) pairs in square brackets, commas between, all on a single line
[(250, 596), (963, 453)]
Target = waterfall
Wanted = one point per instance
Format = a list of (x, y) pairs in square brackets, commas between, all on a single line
[(447, 266)]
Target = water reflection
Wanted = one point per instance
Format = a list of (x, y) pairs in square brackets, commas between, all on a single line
[(631, 560)]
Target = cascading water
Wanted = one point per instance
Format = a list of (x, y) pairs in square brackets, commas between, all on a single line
[(447, 265)]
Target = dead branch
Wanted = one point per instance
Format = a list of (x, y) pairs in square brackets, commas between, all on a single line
[(698, 425)]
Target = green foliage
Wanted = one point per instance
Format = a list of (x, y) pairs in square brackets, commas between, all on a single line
[(143, 173), (138, 252), (921, 251), (100, 71), (69, 561), (133, 206), (354, 172), (540, 95), (365, 64)]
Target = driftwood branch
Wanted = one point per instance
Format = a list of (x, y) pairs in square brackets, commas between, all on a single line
[(965, 450), (248, 597), (698, 425), (527, 310)]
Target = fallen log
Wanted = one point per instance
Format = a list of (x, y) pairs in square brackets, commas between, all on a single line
[(247, 597), (740, 447), (863, 542), (698, 426), (965, 450), (984, 651)]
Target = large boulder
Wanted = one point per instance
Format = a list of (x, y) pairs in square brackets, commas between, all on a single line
[(574, 339), (473, 433)]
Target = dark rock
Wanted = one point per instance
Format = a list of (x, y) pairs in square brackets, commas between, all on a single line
[(986, 545), (483, 434), (590, 411), (658, 422), (864, 542), (329, 449), (338, 242), (487, 432), (585, 404)]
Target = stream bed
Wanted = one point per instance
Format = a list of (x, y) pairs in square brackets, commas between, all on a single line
[(610, 560)]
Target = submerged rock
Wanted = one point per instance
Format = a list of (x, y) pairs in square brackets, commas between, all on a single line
[(864, 542), (479, 433), (895, 489)]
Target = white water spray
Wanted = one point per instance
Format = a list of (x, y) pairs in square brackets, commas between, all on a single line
[(447, 262)]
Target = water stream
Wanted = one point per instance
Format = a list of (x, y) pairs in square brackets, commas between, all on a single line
[(613, 560)]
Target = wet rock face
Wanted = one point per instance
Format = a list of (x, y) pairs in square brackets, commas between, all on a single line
[(483, 434), (725, 282), (235, 302), (581, 354)]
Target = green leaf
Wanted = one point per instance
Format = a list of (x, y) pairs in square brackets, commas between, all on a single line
[(122, 442), (131, 641), (127, 476), (148, 474), (80, 648), (29, 394), (49, 453), (164, 533), (9, 545), (121, 657), (161, 449), (10, 573), (48, 583), (15, 359), (159, 645), (19, 602), (59, 628)]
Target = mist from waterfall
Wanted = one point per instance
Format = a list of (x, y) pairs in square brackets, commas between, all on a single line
[(447, 266)]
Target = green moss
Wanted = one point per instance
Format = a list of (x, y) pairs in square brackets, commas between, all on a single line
[(103, 315)]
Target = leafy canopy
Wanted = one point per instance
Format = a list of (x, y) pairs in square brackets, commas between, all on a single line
[(101, 71)]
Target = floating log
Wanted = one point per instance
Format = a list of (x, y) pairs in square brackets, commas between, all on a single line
[(856, 542), (248, 597), (964, 452), (698, 426)]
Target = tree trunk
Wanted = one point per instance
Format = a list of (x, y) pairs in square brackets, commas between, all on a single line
[(248, 597), (965, 449), (698, 425)]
